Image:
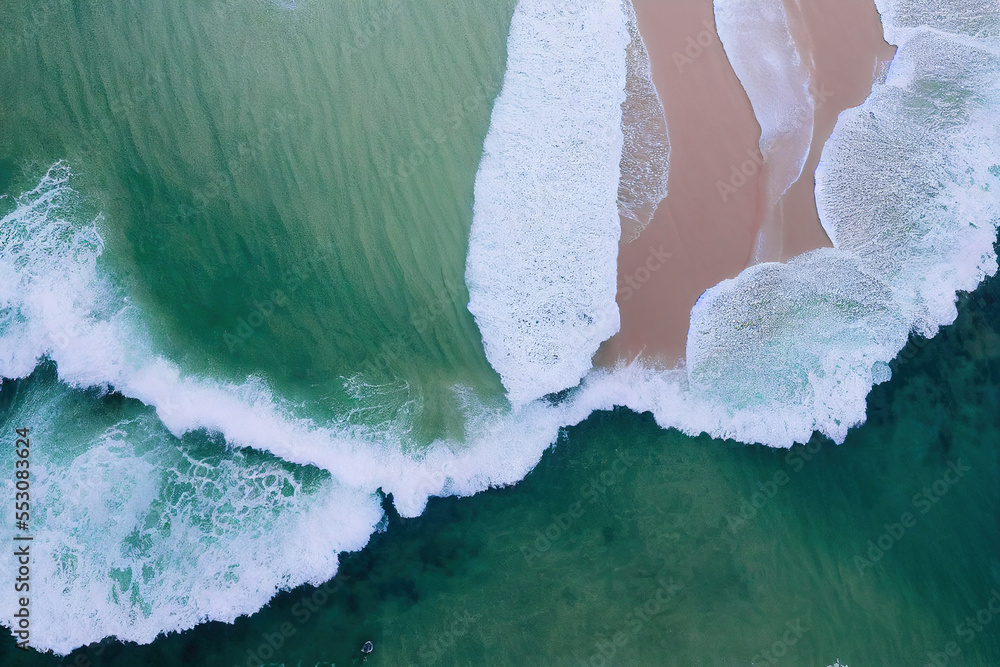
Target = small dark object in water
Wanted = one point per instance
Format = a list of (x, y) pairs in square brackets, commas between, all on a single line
[(368, 647)]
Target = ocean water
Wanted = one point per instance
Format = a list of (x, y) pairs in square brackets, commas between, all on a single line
[(756, 538), (282, 280)]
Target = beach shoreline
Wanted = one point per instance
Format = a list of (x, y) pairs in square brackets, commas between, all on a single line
[(720, 215)]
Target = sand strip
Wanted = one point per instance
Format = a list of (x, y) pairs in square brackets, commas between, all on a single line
[(702, 233)]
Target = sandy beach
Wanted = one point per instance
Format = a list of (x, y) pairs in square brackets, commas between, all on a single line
[(841, 43), (721, 214)]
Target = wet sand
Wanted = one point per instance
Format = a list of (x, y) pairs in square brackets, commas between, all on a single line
[(703, 233), (842, 44)]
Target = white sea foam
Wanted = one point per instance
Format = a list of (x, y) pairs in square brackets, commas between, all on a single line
[(774, 355), (764, 56), (645, 161), (975, 18), (542, 262), (909, 192), (56, 302), (137, 536), (787, 349)]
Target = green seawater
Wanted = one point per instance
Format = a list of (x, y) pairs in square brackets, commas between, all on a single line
[(286, 192), (671, 549), (300, 178)]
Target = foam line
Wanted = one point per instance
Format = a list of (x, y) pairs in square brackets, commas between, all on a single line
[(645, 163), (56, 302), (542, 261), (764, 57), (775, 354)]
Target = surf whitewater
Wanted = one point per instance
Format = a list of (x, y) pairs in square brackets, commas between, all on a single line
[(189, 474)]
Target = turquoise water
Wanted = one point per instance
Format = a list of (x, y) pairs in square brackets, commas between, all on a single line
[(471, 582), (233, 312), (246, 149)]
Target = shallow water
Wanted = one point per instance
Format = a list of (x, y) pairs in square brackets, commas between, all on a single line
[(233, 310), (245, 148), (476, 580)]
